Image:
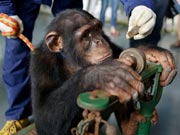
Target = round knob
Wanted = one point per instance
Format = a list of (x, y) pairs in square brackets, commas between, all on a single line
[(138, 57)]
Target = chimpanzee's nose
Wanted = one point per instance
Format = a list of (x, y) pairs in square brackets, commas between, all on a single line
[(98, 41)]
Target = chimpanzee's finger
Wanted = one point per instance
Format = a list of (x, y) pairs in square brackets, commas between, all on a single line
[(169, 79), (132, 72), (133, 82), (165, 73), (126, 87), (118, 85), (154, 118), (124, 97), (150, 57), (126, 61), (128, 79), (139, 86), (163, 60), (121, 94), (171, 60), (137, 117)]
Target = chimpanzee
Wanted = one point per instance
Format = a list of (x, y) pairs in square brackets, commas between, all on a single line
[(76, 56)]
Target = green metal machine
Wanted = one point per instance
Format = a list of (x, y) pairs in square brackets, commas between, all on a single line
[(151, 97), (96, 101)]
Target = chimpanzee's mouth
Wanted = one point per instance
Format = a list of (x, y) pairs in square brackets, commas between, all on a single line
[(105, 57)]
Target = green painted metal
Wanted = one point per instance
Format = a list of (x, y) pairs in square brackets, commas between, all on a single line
[(147, 104), (98, 103)]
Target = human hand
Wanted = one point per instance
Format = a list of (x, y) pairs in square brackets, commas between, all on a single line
[(11, 26), (19, 21), (165, 58), (141, 22)]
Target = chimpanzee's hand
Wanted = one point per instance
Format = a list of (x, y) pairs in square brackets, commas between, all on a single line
[(119, 80), (166, 59), (129, 127)]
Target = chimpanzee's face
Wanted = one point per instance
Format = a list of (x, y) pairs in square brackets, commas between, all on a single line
[(79, 36), (91, 46)]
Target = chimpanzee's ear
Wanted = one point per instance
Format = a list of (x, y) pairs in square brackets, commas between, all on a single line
[(54, 42)]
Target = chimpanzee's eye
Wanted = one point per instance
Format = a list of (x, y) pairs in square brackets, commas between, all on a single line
[(86, 43)]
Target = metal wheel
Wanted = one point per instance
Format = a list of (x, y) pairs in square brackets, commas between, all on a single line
[(139, 59)]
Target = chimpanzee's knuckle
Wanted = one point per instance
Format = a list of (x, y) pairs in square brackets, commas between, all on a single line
[(140, 87), (125, 99), (135, 95)]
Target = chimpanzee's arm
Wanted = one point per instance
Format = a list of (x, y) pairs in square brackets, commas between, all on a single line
[(111, 76)]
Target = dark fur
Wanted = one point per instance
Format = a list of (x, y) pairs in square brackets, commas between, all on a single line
[(54, 90)]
